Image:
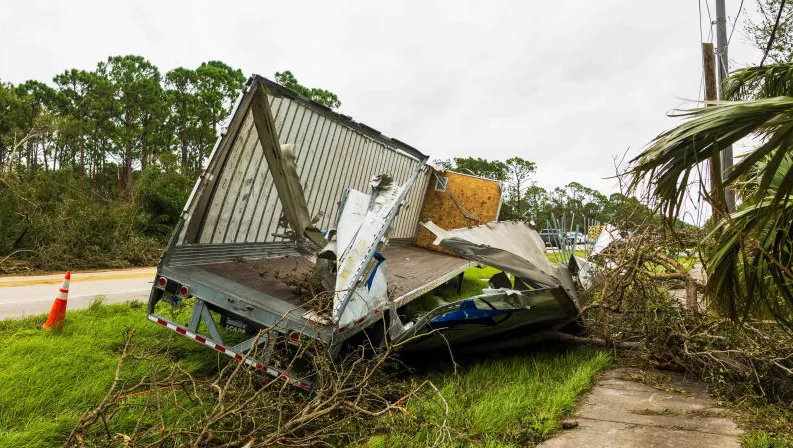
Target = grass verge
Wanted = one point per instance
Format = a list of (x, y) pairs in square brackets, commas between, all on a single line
[(507, 401), (50, 379)]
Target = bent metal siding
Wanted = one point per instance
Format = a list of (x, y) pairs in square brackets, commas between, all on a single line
[(236, 202)]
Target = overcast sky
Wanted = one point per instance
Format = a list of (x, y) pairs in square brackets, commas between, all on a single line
[(567, 84)]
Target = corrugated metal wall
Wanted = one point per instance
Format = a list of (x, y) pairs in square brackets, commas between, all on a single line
[(331, 156)]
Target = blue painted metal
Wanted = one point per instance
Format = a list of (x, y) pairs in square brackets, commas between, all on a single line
[(467, 312), (380, 259)]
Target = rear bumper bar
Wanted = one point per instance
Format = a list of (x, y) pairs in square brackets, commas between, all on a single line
[(270, 370)]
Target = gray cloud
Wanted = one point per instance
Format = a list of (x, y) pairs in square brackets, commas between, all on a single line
[(568, 84)]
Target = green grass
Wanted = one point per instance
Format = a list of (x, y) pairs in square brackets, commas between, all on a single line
[(762, 439), (474, 279), (555, 255), (505, 401), (49, 379)]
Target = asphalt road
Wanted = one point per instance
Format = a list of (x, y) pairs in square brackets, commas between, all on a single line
[(31, 295)]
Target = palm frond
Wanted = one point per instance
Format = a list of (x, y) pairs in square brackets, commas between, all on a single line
[(760, 82), (749, 266), (669, 159), (750, 254)]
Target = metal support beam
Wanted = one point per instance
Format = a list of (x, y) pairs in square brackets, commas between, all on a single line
[(210, 323), (195, 318)]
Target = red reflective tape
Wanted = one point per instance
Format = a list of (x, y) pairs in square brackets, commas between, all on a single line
[(238, 357), (181, 330), (361, 320), (305, 386), (259, 366), (377, 311), (341, 330), (162, 322), (200, 339), (65, 291), (220, 348)]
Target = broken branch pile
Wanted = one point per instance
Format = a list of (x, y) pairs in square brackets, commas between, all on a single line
[(631, 303), (240, 406)]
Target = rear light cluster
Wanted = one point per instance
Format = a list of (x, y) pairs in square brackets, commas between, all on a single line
[(172, 287)]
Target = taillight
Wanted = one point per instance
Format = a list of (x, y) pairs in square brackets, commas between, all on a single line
[(184, 291), (162, 281)]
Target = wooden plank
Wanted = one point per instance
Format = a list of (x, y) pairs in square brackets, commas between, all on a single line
[(279, 107), (284, 175), (283, 126), (267, 275), (255, 233)]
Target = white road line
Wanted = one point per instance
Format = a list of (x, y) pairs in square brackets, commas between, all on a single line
[(38, 299)]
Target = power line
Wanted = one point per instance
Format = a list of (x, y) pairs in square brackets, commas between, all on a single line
[(710, 19), (735, 22), (773, 32), (699, 4)]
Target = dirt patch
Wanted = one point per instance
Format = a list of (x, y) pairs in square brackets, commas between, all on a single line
[(654, 379), (300, 276), (701, 413)]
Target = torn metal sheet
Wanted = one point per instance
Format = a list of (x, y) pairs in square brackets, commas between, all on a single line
[(359, 233), (608, 235), (496, 314), (510, 246)]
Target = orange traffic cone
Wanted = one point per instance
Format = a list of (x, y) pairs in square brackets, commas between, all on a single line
[(58, 311)]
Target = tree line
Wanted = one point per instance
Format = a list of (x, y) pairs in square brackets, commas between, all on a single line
[(122, 116), (96, 166)]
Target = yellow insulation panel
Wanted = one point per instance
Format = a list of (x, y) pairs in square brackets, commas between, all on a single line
[(477, 196)]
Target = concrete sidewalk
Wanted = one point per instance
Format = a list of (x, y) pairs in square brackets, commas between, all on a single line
[(623, 412)]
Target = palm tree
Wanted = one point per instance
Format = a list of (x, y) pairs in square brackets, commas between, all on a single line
[(750, 265)]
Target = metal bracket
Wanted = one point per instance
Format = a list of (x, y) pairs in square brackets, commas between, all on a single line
[(201, 312)]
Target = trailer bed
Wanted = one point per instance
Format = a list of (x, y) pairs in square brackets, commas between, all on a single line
[(263, 283), (413, 271)]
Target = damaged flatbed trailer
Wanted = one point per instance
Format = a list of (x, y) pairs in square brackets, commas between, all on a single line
[(282, 197)]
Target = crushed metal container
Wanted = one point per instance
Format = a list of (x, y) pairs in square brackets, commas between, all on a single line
[(305, 224)]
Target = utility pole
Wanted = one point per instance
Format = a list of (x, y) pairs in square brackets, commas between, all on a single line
[(711, 94), (722, 62)]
